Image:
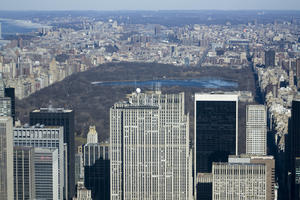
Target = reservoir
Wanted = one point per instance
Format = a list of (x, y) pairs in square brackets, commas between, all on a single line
[(201, 83)]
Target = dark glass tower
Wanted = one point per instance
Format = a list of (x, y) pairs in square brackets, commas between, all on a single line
[(295, 150), (10, 92), (65, 118), (97, 179), (216, 128), (270, 58)]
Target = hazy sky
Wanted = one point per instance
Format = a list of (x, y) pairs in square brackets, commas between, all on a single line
[(149, 4)]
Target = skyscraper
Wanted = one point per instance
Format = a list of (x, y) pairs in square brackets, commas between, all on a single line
[(0, 30), (256, 130), (298, 73), (270, 58), (6, 159), (295, 149), (216, 134), (97, 179), (44, 137), (79, 170), (94, 151), (5, 102), (65, 118), (244, 177), (149, 152), (97, 169), (24, 173), (92, 136), (46, 176), (291, 75), (10, 92)]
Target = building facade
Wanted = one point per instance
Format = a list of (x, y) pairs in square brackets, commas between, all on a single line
[(215, 135), (79, 170), (46, 176), (10, 93), (93, 152), (256, 129), (239, 181), (83, 193), (5, 102), (92, 136), (97, 179), (295, 149), (44, 137), (24, 173), (97, 169), (6, 158), (244, 178), (149, 138), (270, 58), (60, 117), (298, 73)]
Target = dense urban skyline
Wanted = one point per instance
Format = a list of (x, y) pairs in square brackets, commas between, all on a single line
[(195, 105)]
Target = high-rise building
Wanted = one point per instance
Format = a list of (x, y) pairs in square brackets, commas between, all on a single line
[(269, 162), (79, 170), (97, 179), (291, 75), (24, 173), (66, 171), (6, 159), (270, 58), (244, 177), (298, 73), (93, 151), (10, 92), (46, 176), (65, 118), (96, 169), (295, 149), (5, 102), (0, 30), (149, 147), (44, 137), (92, 136), (157, 30), (216, 135), (256, 129)]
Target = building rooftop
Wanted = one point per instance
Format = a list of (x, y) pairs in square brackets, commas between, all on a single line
[(52, 110), (37, 126), (217, 96)]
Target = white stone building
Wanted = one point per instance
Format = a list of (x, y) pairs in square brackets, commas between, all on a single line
[(256, 130), (150, 157)]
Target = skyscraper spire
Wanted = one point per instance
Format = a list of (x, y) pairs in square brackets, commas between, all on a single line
[(92, 136)]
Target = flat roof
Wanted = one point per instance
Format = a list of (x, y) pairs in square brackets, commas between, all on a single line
[(52, 110), (40, 127), (216, 96)]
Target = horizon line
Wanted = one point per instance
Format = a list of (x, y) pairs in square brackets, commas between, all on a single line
[(145, 10)]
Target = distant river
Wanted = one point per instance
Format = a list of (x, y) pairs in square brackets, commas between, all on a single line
[(201, 83), (10, 26)]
